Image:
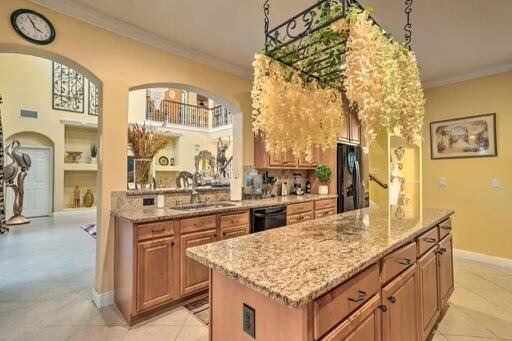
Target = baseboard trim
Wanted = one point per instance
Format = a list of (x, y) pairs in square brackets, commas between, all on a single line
[(483, 258), (102, 300)]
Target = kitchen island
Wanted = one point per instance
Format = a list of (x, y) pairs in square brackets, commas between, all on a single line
[(359, 275)]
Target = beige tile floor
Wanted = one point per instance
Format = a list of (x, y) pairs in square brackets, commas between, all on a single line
[(46, 278)]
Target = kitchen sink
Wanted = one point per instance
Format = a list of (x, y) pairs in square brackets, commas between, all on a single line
[(213, 205)]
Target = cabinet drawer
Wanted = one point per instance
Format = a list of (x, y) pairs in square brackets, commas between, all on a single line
[(233, 232), (299, 208), (445, 228), (299, 218), (155, 230), (325, 213), (427, 241), (333, 307), (363, 324), (198, 224), (326, 203), (396, 262), (237, 219)]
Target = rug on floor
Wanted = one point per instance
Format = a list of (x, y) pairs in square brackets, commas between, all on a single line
[(200, 308), (90, 229)]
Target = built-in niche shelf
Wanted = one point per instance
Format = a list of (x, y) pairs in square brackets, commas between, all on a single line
[(85, 167)]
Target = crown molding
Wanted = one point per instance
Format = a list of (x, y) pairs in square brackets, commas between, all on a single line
[(489, 71), (120, 27)]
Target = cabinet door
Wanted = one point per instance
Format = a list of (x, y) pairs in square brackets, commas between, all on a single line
[(345, 128), (157, 272), (445, 269), (289, 160), (355, 128), (315, 161), (401, 298), (429, 291), (276, 159), (194, 276)]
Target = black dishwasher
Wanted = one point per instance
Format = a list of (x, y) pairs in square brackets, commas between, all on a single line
[(266, 218)]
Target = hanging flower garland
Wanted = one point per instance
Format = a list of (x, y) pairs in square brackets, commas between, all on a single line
[(291, 113), (381, 79)]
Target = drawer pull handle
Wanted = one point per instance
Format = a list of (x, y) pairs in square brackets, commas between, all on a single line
[(234, 221), (360, 298), (405, 262), (215, 235), (447, 228), (430, 240), (439, 252), (158, 231), (392, 299)]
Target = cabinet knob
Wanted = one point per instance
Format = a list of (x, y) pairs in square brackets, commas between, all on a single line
[(360, 298), (383, 308), (172, 243), (392, 299), (443, 249)]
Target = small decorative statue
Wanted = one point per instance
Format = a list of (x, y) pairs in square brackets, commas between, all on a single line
[(18, 170), (222, 161), (76, 197), (88, 198)]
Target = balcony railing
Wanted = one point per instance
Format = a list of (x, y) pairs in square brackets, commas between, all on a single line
[(187, 115), (221, 116)]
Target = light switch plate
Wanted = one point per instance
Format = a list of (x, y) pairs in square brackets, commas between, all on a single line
[(496, 183), (249, 320), (442, 181)]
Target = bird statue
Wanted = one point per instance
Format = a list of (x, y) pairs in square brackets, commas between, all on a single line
[(10, 170), (23, 159)]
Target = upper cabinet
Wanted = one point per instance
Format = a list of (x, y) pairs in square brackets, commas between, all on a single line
[(284, 160), (351, 130)]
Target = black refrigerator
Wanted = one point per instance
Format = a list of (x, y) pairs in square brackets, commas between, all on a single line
[(351, 186)]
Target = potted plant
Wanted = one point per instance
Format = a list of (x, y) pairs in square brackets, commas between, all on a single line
[(94, 152), (323, 174)]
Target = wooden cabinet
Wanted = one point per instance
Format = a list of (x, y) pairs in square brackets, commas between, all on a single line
[(429, 293), (282, 160), (194, 276), (157, 272), (351, 129), (445, 254), (427, 241), (315, 161), (276, 159), (397, 261), (299, 218), (401, 299)]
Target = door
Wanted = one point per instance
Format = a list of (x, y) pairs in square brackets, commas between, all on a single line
[(445, 269), (157, 272), (194, 276), (429, 291), (355, 128), (37, 198), (315, 161), (400, 320)]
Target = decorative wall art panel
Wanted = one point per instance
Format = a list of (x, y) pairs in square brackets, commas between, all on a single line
[(473, 136)]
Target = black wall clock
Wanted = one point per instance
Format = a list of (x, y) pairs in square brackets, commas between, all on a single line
[(33, 26)]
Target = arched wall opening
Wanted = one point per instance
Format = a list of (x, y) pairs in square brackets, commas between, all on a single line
[(236, 125)]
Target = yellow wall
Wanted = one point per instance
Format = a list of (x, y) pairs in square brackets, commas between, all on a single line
[(26, 83), (483, 215), (120, 64)]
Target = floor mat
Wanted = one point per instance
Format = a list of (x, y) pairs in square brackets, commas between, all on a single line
[(200, 308), (90, 229)]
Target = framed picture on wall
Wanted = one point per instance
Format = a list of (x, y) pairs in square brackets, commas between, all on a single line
[(464, 137)]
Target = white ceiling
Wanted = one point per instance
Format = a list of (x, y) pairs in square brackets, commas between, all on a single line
[(453, 39)]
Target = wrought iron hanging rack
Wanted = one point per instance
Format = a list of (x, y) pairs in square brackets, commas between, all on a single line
[(305, 43)]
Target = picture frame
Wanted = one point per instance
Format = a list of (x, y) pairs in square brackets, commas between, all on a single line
[(464, 137)]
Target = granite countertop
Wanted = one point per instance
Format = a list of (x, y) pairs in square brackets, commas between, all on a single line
[(155, 192), (296, 264), (148, 214)]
